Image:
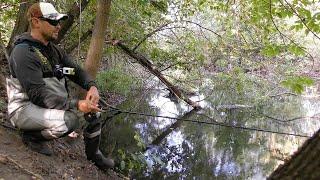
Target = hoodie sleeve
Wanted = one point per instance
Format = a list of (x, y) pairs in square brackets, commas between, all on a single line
[(26, 67)]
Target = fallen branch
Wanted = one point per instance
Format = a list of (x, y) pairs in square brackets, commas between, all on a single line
[(6, 158), (148, 65)]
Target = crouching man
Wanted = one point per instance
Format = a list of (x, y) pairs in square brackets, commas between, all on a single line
[(38, 101)]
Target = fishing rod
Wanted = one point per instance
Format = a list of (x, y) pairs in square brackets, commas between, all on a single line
[(107, 108)]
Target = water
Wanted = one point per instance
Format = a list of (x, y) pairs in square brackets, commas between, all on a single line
[(185, 150)]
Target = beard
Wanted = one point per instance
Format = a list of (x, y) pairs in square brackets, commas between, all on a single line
[(50, 36)]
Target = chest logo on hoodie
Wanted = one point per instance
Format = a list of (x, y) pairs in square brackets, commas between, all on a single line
[(44, 61)]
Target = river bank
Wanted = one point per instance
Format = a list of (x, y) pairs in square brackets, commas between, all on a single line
[(67, 162)]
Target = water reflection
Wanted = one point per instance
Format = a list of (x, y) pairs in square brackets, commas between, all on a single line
[(179, 150)]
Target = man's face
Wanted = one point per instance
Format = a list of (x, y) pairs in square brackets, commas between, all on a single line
[(49, 29)]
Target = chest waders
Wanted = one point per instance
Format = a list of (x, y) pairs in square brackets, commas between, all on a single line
[(36, 140), (92, 137)]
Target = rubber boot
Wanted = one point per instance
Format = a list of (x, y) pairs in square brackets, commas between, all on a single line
[(92, 137), (36, 142)]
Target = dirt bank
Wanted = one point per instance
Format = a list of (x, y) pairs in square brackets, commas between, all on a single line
[(68, 161)]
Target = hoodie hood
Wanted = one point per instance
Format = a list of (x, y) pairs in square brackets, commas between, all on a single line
[(27, 38)]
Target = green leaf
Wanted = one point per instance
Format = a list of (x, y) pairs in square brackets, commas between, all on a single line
[(297, 83), (271, 50), (296, 50)]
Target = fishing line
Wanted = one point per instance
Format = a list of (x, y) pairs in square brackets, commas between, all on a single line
[(196, 121), (79, 33)]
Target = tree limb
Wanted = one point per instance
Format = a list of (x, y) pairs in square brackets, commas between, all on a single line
[(162, 27), (73, 13), (148, 65), (150, 34), (83, 38)]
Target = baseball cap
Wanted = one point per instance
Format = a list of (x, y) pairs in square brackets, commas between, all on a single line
[(45, 10)]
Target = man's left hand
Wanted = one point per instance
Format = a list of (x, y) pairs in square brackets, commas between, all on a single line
[(93, 95)]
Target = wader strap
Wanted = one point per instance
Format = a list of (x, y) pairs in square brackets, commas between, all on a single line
[(92, 135)]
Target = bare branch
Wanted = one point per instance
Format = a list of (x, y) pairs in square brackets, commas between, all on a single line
[(150, 34), (162, 27)]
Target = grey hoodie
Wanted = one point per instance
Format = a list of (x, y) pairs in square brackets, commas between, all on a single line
[(32, 80)]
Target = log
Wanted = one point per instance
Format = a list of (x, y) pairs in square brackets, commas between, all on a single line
[(148, 65)]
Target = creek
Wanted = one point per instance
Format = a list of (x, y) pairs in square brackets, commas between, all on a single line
[(158, 147)]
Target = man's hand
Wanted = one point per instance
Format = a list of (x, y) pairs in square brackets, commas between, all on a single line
[(87, 106), (93, 95)]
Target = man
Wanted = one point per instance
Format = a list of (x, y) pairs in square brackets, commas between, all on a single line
[(38, 100)]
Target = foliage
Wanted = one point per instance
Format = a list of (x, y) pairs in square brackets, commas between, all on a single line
[(117, 81), (297, 84), (8, 11), (132, 162), (237, 86)]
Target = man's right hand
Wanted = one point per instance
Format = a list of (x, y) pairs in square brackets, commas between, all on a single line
[(87, 106)]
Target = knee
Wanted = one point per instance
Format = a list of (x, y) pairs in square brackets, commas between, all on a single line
[(71, 120)]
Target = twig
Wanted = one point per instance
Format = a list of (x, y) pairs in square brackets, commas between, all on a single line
[(150, 34), (191, 22), (302, 20), (285, 93), (162, 27), (274, 24), (21, 167), (292, 41), (8, 127)]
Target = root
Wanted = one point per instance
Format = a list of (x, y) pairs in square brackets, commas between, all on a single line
[(5, 158)]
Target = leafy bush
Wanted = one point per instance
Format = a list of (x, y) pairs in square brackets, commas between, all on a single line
[(132, 162), (117, 81)]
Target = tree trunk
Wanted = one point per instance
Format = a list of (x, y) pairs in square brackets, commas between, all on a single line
[(96, 46), (304, 164), (95, 51), (22, 23)]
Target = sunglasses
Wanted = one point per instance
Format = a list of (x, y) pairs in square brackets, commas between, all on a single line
[(50, 21)]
